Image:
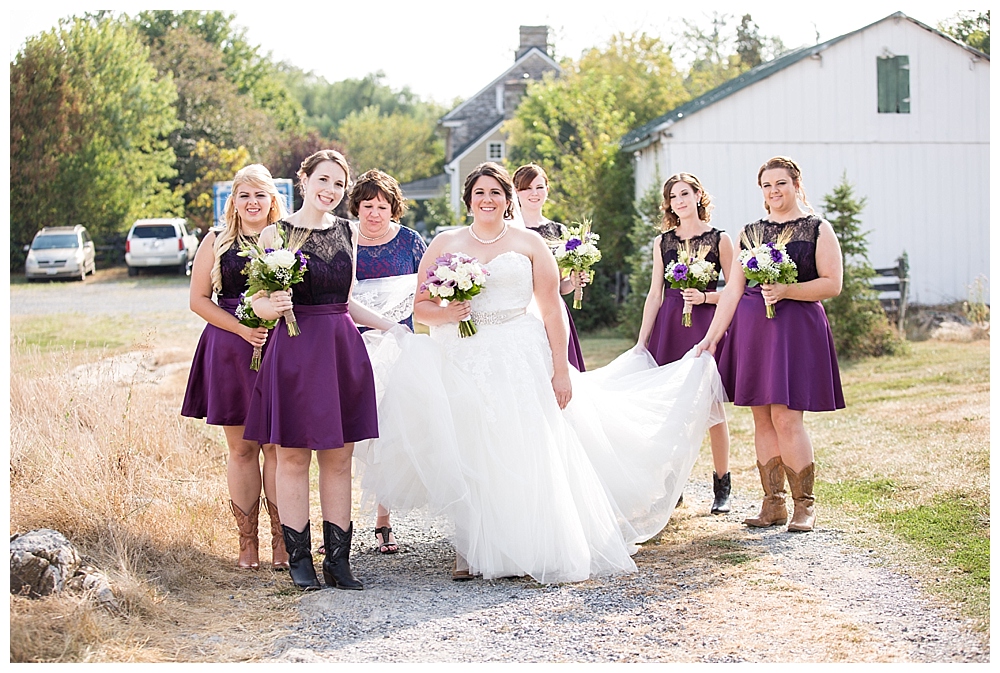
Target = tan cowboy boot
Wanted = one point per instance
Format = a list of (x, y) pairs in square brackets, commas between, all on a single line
[(247, 524), (772, 511), (801, 486), (279, 556)]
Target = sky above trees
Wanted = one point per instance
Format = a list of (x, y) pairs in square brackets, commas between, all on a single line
[(416, 47)]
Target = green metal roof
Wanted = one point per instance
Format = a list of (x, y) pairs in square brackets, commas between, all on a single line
[(644, 135)]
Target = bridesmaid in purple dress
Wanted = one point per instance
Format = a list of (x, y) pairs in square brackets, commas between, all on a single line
[(315, 392), (783, 366), (532, 187), (385, 248), (221, 381), (687, 210)]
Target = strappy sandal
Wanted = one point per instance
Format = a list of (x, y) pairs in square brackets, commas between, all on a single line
[(384, 546)]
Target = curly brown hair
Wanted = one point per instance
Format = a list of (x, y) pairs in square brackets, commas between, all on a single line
[(372, 184), (493, 170), (670, 219)]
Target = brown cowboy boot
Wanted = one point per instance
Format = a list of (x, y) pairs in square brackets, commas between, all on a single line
[(279, 556), (772, 511), (247, 524), (801, 486)]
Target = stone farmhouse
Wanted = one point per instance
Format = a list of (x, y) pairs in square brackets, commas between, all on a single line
[(472, 130)]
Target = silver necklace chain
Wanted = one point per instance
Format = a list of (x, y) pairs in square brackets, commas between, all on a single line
[(503, 233)]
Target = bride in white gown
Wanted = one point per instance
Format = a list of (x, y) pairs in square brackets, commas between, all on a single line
[(542, 471)]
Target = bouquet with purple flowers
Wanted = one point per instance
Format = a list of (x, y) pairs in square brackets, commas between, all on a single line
[(578, 252), (766, 262), (690, 269), (245, 314), (273, 267), (457, 277)]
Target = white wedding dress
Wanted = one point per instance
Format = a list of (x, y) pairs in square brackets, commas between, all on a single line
[(470, 428)]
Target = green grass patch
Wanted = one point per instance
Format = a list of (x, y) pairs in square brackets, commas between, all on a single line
[(735, 553), (602, 346), (954, 529), (857, 494), (74, 331)]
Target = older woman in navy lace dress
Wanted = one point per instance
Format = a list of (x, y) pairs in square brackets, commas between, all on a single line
[(385, 249)]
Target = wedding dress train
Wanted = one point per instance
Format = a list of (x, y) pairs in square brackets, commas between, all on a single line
[(470, 428)]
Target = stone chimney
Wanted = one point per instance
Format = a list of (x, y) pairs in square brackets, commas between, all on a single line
[(533, 36)]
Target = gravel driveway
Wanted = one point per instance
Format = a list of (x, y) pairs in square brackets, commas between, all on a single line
[(108, 291), (801, 597)]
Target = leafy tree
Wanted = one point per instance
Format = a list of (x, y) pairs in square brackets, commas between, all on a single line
[(749, 45), (859, 324), (326, 104), (403, 146), (209, 106), (89, 121), (214, 164), (972, 28), (571, 125), (646, 227), (720, 54), (255, 76)]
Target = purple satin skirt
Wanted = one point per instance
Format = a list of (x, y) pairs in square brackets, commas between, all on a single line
[(575, 354), (789, 359), (221, 381), (669, 340), (315, 390)]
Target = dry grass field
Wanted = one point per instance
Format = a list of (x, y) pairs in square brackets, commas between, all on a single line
[(100, 453)]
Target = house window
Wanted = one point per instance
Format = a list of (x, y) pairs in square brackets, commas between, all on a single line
[(893, 84), (494, 151)]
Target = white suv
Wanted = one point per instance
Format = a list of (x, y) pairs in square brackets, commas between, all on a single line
[(160, 242), (60, 252)]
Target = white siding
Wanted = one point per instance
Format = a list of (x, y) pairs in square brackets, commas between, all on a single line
[(925, 174)]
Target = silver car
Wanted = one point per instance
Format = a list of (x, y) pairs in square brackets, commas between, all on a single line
[(160, 243), (60, 252)]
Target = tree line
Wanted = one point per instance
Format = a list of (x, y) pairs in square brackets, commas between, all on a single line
[(115, 117)]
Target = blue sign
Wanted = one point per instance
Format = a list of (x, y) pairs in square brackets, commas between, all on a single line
[(222, 190)]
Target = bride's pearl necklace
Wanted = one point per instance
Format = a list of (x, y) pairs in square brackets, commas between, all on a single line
[(472, 232)]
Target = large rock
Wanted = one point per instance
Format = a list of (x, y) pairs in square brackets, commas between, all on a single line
[(41, 562)]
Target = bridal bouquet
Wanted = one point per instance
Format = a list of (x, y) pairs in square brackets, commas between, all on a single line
[(246, 316), (691, 269), (457, 277), (274, 268), (577, 252), (765, 262)]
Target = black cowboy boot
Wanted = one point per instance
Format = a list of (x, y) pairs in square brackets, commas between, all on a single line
[(300, 560), (337, 564), (722, 486)]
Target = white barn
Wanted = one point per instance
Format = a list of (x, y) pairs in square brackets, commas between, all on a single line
[(901, 107)]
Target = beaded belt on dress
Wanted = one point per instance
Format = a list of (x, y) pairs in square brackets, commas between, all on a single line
[(496, 317)]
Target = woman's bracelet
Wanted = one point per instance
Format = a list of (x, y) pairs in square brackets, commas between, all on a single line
[(705, 297)]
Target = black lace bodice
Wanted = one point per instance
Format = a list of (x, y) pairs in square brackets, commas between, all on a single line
[(330, 269), (234, 283), (670, 243), (552, 232), (802, 245)]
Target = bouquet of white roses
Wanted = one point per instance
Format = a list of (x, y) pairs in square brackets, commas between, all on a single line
[(274, 268), (245, 314), (456, 277), (690, 269), (766, 262), (577, 251)]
